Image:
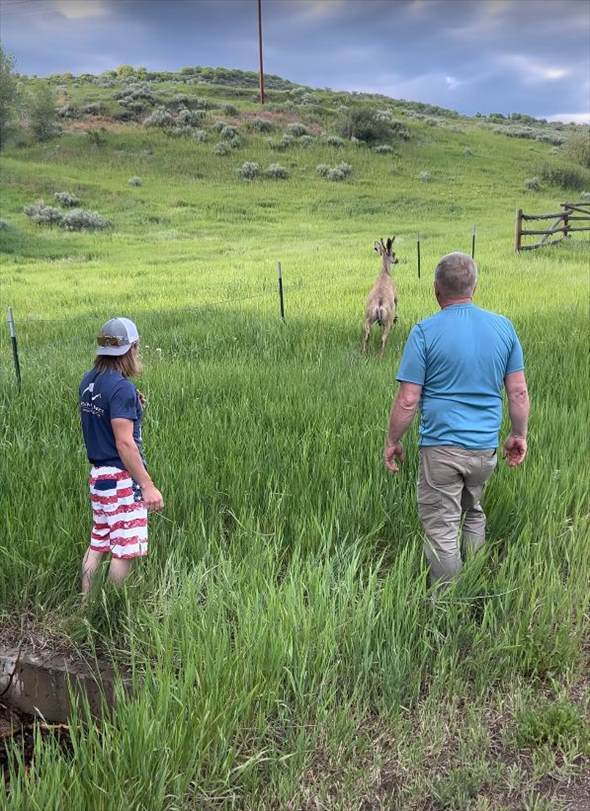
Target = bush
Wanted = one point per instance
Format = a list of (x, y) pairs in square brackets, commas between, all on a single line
[(468, 153), (179, 132), (135, 181), (68, 111), (383, 149), (44, 215), (221, 148), (285, 142), (335, 174), (159, 118), (235, 142), (335, 141), (261, 125), (565, 176), (4, 225), (425, 177), (532, 184), (66, 199), (97, 137), (296, 130), (8, 94), (94, 109), (230, 109), (306, 140), (276, 171), (42, 113), (80, 219), (364, 123), (199, 135), (322, 169), (219, 125), (248, 170), (191, 118), (345, 168), (577, 147), (585, 195), (228, 133)]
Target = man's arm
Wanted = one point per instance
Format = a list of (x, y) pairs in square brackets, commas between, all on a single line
[(515, 447), (131, 458), (402, 413)]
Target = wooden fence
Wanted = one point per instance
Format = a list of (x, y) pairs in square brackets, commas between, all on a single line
[(560, 228)]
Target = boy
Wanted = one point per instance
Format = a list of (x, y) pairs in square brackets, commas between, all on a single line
[(121, 491)]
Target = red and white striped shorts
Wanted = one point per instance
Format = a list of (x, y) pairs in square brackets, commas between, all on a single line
[(119, 517)]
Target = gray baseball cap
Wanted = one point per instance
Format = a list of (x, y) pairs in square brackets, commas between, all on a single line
[(117, 337)]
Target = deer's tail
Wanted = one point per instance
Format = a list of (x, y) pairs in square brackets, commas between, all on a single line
[(380, 314)]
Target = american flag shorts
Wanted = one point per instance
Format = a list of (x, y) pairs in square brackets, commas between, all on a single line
[(119, 517)]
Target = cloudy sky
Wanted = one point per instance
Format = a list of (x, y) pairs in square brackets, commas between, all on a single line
[(528, 56)]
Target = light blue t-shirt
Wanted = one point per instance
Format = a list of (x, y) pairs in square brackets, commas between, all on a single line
[(460, 357)]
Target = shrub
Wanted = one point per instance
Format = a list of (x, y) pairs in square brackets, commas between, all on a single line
[(296, 130), (335, 141), (261, 125), (568, 177), (276, 171), (383, 149), (306, 140), (44, 215), (425, 177), (80, 219), (345, 168), (235, 142), (42, 113), (135, 181), (219, 125), (230, 109), (364, 124), (585, 195), (8, 94), (159, 118), (221, 148), (322, 169), (66, 199), (468, 153), (94, 109), (96, 137), (4, 225), (68, 111), (199, 135), (577, 147), (335, 174), (532, 184), (228, 133), (191, 118), (248, 170), (284, 143), (179, 132)]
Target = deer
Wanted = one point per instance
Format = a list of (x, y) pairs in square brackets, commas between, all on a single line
[(382, 300)]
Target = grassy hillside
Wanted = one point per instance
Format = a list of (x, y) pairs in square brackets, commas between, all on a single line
[(284, 647)]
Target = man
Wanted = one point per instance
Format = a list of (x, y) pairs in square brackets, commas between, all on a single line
[(454, 365), (121, 490)]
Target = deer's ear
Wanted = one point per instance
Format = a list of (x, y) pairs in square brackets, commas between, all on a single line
[(389, 244), (376, 247)]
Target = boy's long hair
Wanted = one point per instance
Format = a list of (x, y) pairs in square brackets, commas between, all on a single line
[(129, 364)]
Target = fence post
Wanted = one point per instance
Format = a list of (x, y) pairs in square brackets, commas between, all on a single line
[(281, 299), (473, 242), (418, 252), (566, 219), (12, 332), (518, 230)]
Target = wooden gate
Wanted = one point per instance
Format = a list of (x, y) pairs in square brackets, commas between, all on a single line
[(560, 228)]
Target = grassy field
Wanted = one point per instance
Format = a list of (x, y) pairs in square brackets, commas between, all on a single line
[(281, 638)]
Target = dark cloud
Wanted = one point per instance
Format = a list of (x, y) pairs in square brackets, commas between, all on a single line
[(529, 56)]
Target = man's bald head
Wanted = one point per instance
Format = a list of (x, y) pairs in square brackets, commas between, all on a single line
[(455, 276)]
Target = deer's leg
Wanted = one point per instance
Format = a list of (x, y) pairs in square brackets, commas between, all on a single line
[(366, 335), (386, 330)]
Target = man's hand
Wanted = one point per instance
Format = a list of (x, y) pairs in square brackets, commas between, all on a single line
[(152, 498), (393, 454), (515, 450)]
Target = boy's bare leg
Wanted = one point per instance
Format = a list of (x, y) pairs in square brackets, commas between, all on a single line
[(118, 570), (90, 566)]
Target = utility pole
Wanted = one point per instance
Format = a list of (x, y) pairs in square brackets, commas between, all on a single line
[(261, 68)]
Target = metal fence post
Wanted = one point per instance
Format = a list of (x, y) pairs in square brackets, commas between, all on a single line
[(12, 331), (281, 298)]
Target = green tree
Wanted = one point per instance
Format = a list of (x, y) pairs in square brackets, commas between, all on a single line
[(42, 112), (8, 94), (577, 147)]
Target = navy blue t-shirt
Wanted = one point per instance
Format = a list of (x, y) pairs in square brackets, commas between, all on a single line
[(105, 396)]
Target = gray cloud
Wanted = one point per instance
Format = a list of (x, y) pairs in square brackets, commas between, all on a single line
[(490, 55)]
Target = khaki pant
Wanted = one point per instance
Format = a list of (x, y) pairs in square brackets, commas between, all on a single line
[(450, 484)]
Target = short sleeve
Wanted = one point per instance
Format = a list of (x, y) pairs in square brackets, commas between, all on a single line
[(412, 368), (123, 402), (516, 358)]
